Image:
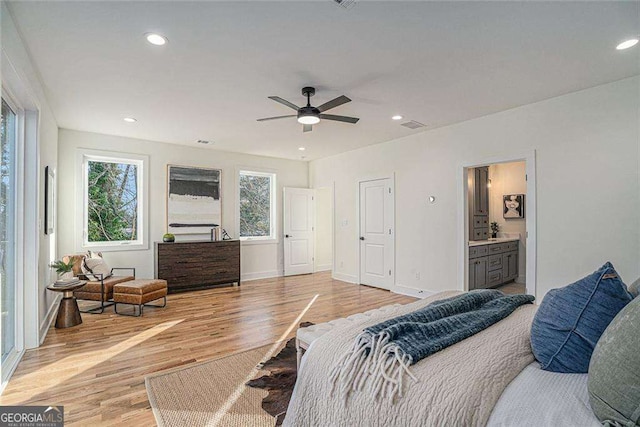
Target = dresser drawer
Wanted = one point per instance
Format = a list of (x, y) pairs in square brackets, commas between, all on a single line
[(480, 221), (477, 251), (220, 276), (495, 262), (494, 278), (179, 280), (179, 251), (215, 259), (512, 246), (179, 263), (480, 234), (195, 281), (497, 248)]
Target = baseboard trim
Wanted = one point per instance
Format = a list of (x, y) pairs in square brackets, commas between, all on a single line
[(412, 292), (323, 267), (521, 279), (344, 277), (247, 277), (48, 319)]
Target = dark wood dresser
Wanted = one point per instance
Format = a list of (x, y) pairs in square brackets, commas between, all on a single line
[(197, 264)]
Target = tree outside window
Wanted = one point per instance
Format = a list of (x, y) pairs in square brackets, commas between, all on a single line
[(112, 201), (257, 208)]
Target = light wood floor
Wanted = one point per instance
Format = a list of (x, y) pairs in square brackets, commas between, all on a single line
[(513, 288), (97, 369)]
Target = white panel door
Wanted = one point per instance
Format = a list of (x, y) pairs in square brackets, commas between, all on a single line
[(298, 231), (376, 233)]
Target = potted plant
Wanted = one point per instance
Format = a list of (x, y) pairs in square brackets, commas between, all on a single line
[(494, 230), (168, 238), (64, 269)]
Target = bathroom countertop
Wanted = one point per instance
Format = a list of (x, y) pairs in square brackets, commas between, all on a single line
[(492, 241)]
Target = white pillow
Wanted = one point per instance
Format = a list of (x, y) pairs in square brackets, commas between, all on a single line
[(94, 267)]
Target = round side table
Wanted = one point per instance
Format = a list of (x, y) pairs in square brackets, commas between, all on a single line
[(68, 311)]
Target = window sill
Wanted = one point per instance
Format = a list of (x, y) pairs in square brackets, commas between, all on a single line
[(116, 247), (258, 241)]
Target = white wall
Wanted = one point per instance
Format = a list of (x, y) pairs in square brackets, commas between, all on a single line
[(587, 187), (22, 78), (324, 229), (509, 178), (257, 260)]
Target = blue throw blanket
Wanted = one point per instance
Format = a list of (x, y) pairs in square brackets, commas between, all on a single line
[(382, 353)]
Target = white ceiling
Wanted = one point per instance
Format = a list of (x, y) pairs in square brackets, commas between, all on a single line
[(434, 62)]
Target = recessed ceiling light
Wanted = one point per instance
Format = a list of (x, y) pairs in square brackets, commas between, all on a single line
[(301, 148), (156, 39), (397, 117), (130, 120), (627, 44)]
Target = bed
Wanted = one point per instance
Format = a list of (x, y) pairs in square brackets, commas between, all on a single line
[(488, 379)]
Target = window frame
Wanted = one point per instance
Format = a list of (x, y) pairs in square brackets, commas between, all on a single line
[(273, 236), (141, 162), (19, 228)]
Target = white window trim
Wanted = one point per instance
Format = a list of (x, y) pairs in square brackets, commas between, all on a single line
[(141, 161), (259, 240), (15, 89), (12, 360)]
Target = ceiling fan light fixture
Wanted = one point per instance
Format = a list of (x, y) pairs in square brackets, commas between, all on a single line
[(310, 115), (308, 119)]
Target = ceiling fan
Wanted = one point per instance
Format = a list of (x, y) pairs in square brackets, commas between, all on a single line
[(309, 116)]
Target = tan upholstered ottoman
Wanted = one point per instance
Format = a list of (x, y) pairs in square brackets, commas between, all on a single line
[(139, 292)]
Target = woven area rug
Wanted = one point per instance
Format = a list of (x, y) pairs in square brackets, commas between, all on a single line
[(213, 393)]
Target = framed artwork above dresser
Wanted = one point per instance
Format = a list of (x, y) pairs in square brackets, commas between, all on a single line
[(194, 199)]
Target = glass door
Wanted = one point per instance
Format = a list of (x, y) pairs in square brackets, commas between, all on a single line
[(8, 195)]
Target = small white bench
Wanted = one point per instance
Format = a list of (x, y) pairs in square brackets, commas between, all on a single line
[(306, 336)]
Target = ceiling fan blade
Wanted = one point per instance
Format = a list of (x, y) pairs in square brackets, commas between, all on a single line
[(284, 102), (334, 103), (339, 118), (275, 118), (307, 128)]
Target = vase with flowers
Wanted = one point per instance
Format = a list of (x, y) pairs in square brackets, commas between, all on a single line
[(494, 230)]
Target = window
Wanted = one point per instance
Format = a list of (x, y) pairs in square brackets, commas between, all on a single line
[(8, 252), (257, 205), (113, 206)]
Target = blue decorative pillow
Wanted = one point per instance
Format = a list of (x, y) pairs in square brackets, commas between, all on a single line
[(570, 320)]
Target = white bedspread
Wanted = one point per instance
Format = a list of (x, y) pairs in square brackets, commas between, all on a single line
[(457, 386)]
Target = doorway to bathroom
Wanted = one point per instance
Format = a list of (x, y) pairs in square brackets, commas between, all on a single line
[(497, 248)]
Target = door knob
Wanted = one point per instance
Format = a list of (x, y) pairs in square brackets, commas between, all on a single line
[(361, 238), (287, 236)]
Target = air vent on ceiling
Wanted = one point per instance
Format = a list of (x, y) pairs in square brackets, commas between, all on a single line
[(347, 4), (412, 124), (203, 141)]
